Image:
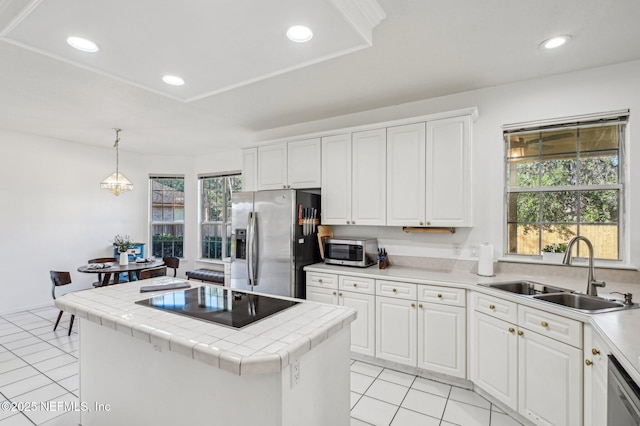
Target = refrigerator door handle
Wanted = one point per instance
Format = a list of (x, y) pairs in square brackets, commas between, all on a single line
[(253, 251), (248, 248)]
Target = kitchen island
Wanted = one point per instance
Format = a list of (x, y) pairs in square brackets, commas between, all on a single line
[(141, 365)]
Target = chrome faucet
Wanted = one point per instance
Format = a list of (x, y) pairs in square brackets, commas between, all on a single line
[(592, 283)]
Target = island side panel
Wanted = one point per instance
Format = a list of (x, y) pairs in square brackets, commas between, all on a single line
[(145, 386), (321, 397)]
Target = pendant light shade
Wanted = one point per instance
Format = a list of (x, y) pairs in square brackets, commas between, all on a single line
[(116, 182)]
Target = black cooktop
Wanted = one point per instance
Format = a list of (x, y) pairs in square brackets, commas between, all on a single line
[(219, 305)]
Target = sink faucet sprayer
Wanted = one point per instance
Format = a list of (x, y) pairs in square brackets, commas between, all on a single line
[(592, 283)]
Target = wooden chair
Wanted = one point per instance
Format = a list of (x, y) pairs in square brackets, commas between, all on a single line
[(59, 279), (159, 271), (102, 260), (173, 263)]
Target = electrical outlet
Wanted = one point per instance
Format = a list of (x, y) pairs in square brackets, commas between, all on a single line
[(295, 373), (474, 248), (456, 249)]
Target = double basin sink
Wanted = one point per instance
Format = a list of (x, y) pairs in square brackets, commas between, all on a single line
[(563, 297)]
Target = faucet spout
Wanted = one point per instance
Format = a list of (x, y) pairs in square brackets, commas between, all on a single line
[(592, 283)]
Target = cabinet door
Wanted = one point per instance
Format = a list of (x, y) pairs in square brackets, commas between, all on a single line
[(441, 339), (322, 295), (550, 381), (336, 180), (362, 329), (448, 183), (595, 378), (272, 166), (303, 164), (494, 358), (406, 175), (250, 169), (369, 178), (396, 328)]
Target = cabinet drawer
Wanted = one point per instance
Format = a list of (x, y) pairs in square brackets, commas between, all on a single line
[(318, 279), (396, 289), (498, 308), (356, 284), (551, 325), (442, 295)]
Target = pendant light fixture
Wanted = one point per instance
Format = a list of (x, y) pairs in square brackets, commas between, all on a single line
[(116, 182)]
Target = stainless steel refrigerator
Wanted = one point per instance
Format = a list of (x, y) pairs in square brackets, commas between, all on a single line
[(269, 245)]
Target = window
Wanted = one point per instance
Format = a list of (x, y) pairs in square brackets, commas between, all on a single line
[(215, 214), (564, 180), (167, 216)]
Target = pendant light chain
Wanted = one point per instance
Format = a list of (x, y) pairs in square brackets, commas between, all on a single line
[(117, 152)]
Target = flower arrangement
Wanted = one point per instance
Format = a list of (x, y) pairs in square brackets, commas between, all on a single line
[(123, 243), (555, 248)]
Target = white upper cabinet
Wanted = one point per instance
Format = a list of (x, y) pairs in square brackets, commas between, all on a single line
[(272, 166), (303, 163), (413, 172), (289, 165), (250, 169), (448, 179), (336, 180), (406, 175), (369, 174)]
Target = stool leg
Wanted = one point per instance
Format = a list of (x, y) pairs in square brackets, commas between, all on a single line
[(57, 321), (71, 324)]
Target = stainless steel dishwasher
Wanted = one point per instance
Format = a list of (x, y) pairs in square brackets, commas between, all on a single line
[(623, 397)]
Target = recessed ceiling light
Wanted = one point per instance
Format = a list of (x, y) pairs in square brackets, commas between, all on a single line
[(299, 33), (173, 80), (554, 42), (83, 44)]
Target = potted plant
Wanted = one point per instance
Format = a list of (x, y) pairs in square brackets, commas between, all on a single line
[(123, 244), (554, 252)]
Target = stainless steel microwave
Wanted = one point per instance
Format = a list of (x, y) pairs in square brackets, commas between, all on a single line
[(357, 252)]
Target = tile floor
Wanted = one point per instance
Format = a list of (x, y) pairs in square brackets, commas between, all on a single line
[(40, 365), (380, 396)]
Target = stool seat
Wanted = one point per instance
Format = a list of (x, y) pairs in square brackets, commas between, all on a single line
[(206, 275)]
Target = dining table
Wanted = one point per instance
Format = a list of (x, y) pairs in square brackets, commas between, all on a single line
[(132, 269)]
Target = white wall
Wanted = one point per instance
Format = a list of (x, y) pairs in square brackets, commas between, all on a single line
[(56, 217), (596, 90)]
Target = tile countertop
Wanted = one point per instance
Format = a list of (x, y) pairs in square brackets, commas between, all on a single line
[(617, 328), (267, 346)]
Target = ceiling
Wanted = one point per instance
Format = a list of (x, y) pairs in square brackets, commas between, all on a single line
[(244, 76)]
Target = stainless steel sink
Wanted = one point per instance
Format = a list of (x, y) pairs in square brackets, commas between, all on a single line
[(527, 288), (562, 296), (584, 302)]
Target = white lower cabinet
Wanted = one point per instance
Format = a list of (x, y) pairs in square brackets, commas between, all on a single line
[(396, 330), (536, 375), (322, 295), (329, 288), (595, 378), (362, 329), (421, 326), (549, 381), (494, 360), (441, 339)]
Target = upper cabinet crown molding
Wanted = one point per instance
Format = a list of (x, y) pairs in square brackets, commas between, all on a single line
[(364, 15)]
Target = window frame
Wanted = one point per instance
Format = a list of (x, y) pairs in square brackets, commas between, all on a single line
[(576, 122), (225, 206), (153, 223)]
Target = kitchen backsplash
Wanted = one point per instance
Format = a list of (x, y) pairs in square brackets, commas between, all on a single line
[(526, 269)]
